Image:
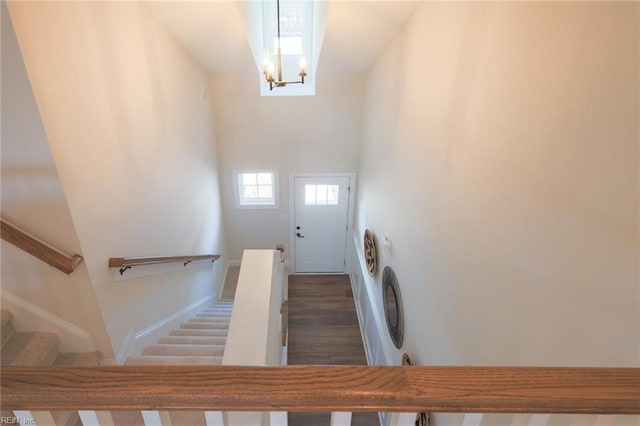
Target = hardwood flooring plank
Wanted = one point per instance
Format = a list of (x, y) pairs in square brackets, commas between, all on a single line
[(324, 330)]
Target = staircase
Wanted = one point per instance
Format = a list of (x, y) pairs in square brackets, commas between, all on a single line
[(199, 341), (39, 349)]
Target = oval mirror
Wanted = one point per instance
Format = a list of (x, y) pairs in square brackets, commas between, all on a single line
[(392, 306)]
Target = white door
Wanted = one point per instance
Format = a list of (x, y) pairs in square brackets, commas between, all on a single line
[(321, 206)]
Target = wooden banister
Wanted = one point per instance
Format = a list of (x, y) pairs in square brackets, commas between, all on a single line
[(325, 388), (42, 251)]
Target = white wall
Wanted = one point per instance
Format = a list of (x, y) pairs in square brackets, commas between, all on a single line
[(128, 118), (32, 198), (500, 154), (319, 133)]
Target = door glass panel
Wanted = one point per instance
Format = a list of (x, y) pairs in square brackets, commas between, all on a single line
[(310, 195), (332, 194), (321, 195)]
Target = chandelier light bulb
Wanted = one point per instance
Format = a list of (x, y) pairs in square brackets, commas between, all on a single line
[(303, 64)]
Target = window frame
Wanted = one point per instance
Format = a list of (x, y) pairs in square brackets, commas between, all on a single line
[(238, 187)]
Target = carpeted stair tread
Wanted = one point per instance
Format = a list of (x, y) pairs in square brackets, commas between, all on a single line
[(205, 325), (174, 360), (74, 359), (187, 418), (30, 349), (198, 332), (192, 340), (213, 315), (127, 418), (221, 308), (211, 319), (221, 312), (183, 350), (79, 359)]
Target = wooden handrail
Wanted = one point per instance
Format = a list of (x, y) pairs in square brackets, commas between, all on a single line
[(123, 262), (42, 251), (325, 388)]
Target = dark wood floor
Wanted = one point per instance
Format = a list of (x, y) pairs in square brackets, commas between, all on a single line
[(324, 330)]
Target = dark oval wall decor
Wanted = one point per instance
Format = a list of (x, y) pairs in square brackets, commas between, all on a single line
[(392, 306)]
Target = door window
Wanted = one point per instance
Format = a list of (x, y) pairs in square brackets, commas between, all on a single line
[(321, 195)]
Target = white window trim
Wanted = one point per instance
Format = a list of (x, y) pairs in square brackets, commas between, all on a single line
[(236, 189)]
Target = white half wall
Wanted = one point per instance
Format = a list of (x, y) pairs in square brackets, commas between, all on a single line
[(128, 116), (500, 155), (320, 133)]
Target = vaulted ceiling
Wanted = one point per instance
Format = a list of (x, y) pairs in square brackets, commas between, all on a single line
[(215, 32)]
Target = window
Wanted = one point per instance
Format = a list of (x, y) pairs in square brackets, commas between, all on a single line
[(321, 195), (256, 188)]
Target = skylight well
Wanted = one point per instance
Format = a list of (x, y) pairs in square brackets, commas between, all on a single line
[(286, 54), (287, 39)]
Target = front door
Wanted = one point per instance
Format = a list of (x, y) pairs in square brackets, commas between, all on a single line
[(321, 206)]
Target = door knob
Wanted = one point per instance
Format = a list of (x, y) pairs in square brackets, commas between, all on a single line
[(299, 235)]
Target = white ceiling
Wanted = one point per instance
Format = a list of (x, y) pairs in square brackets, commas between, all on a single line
[(214, 32)]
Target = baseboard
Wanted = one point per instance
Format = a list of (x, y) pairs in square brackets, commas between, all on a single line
[(368, 283), (125, 349), (29, 317), (365, 342)]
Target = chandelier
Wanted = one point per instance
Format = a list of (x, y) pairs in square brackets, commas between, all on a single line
[(269, 66)]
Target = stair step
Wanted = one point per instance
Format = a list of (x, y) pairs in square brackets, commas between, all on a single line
[(184, 350), (174, 360), (226, 312), (226, 315), (211, 319), (75, 359), (213, 315), (198, 332), (191, 418), (206, 325), (30, 349), (79, 359), (192, 340), (128, 418), (7, 326)]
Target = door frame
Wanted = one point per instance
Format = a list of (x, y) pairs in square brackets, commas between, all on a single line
[(350, 213)]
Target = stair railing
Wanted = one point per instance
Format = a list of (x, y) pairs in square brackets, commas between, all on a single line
[(41, 250), (324, 388), (125, 263)]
